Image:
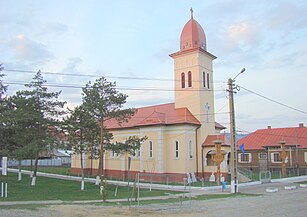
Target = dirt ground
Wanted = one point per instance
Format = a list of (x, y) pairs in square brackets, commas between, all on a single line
[(285, 203)]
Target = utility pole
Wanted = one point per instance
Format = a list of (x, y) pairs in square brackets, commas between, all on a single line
[(233, 149)]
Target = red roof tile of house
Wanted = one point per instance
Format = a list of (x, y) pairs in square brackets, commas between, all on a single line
[(209, 141), (272, 137), (165, 114)]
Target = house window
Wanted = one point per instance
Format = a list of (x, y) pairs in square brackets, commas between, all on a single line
[(150, 154), (182, 80), (189, 79), (114, 154), (204, 79), (262, 156), (305, 157), (245, 158), (208, 81), (190, 150), (176, 150), (136, 153), (275, 157)]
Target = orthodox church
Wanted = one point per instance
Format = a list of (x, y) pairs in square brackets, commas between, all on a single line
[(180, 135)]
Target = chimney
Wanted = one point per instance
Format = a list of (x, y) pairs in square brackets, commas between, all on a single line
[(269, 127), (301, 125)]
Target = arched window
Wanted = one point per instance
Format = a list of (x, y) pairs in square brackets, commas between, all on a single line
[(182, 80), (189, 79), (190, 150), (176, 153), (204, 79), (208, 81), (150, 153), (210, 161)]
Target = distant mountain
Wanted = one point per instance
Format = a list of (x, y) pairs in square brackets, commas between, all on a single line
[(238, 136)]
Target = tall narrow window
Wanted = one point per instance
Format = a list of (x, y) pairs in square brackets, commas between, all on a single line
[(176, 150), (150, 154), (204, 79), (189, 79), (182, 80), (190, 150), (208, 81)]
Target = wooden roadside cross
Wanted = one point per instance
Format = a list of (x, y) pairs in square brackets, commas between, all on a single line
[(283, 156), (218, 158)]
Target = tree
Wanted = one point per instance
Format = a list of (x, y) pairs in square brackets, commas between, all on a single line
[(83, 134), (46, 113), (3, 88), (17, 127), (104, 102)]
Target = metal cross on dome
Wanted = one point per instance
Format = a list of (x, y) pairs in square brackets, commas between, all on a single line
[(191, 12)]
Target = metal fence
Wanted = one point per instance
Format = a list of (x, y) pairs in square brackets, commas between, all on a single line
[(44, 162)]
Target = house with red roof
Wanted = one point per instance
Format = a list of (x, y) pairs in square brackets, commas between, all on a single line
[(178, 133), (262, 149)]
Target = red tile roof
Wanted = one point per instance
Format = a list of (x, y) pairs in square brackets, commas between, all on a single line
[(271, 137), (165, 114), (209, 141)]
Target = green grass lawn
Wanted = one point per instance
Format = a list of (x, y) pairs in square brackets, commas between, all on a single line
[(56, 189)]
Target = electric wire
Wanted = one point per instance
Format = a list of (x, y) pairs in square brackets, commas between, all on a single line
[(272, 100)]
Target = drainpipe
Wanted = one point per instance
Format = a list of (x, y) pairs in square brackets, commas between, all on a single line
[(196, 142)]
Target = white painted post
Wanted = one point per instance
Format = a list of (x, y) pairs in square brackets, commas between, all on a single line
[(33, 181), (97, 180), (5, 189), (19, 175), (82, 185), (2, 188)]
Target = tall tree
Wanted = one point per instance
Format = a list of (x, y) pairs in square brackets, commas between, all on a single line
[(104, 102), (47, 110), (3, 88), (17, 127), (83, 134)]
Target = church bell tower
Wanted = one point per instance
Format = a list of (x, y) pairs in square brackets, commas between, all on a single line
[(193, 75)]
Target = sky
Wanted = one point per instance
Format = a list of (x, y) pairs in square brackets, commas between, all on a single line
[(133, 38)]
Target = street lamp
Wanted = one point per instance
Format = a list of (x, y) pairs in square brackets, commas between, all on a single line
[(233, 149)]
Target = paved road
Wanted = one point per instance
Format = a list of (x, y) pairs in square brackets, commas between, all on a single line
[(284, 203)]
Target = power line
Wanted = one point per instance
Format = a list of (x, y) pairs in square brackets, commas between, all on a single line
[(272, 100), (98, 76), (119, 88)]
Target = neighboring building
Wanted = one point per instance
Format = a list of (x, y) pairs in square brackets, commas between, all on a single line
[(176, 131), (263, 149)]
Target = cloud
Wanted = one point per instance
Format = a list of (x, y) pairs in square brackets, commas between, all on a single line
[(72, 64), (27, 50), (55, 27), (242, 34), (287, 14)]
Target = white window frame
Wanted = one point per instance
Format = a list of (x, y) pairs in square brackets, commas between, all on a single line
[(263, 158), (305, 156), (150, 150), (272, 157), (176, 149), (249, 158), (136, 153), (114, 154), (190, 149)]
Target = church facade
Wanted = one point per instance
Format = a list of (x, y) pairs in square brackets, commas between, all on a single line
[(180, 135)]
